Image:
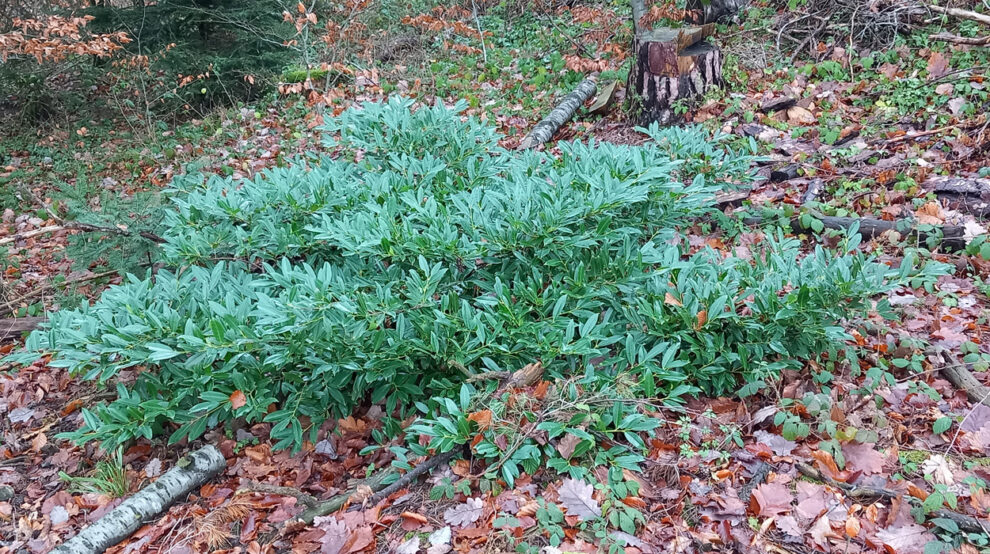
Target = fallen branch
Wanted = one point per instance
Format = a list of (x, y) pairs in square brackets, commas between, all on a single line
[(528, 375), (952, 236), (956, 39), (968, 195), (11, 305), (85, 227), (919, 134), (546, 129), (966, 523), (375, 483), (190, 472), (303, 498), (962, 14), (959, 375), (407, 478)]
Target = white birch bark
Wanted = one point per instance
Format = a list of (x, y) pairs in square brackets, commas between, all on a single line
[(191, 471), (546, 129)]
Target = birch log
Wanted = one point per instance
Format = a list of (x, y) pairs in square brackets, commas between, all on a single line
[(546, 129), (190, 472)]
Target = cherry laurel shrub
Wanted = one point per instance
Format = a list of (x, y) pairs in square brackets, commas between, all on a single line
[(425, 254)]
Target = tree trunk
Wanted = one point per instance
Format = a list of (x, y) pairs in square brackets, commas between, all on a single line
[(700, 12), (674, 68), (190, 472)]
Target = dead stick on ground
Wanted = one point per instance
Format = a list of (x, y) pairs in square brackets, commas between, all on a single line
[(11, 305), (407, 478), (956, 39), (962, 14), (190, 472), (85, 227), (376, 483), (961, 378), (546, 129), (967, 523)]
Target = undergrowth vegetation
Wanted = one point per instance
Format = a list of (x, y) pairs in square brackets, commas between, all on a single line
[(422, 255)]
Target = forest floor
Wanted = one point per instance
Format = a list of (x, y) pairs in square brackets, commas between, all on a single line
[(888, 456)]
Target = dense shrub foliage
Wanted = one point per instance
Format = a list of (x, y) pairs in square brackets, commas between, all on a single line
[(425, 254)]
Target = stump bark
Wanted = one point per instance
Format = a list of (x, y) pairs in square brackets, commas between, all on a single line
[(674, 68)]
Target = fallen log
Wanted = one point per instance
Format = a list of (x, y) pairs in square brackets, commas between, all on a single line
[(733, 198), (13, 327), (965, 195), (190, 472), (952, 236), (778, 104), (546, 129)]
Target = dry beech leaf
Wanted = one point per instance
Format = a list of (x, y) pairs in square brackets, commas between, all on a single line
[(482, 418), (852, 527), (671, 300), (238, 400), (528, 509)]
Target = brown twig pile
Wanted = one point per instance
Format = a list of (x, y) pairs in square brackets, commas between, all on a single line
[(873, 24)]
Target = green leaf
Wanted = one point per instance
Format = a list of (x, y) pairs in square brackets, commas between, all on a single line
[(941, 425)]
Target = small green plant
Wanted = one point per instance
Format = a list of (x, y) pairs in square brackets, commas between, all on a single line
[(109, 478)]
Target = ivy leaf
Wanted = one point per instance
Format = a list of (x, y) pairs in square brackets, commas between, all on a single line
[(576, 496)]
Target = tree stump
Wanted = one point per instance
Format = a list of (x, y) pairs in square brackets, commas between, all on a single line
[(674, 68)]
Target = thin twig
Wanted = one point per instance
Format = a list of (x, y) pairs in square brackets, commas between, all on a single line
[(481, 33)]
